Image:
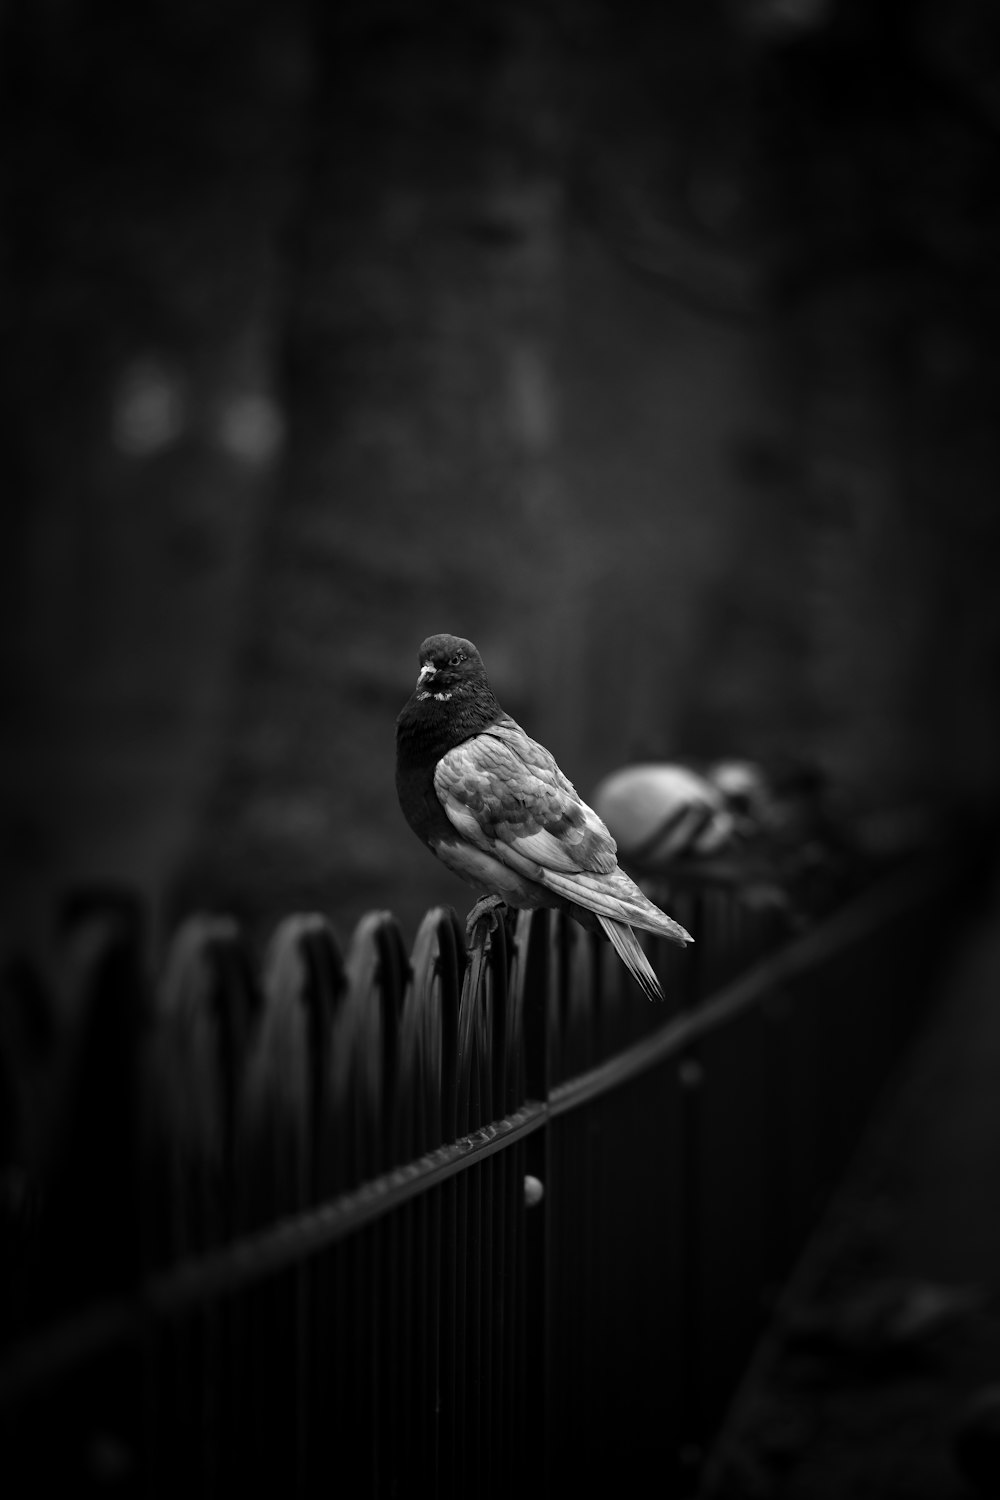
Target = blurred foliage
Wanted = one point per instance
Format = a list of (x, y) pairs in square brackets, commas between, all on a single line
[(654, 347)]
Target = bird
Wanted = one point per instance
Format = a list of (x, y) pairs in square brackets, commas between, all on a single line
[(774, 834), (662, 811), (493, 806), (700, 825)]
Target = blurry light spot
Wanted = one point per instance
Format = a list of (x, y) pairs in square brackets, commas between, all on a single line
[(777, 17), (148, 409), (531, 400), (805, 13), (690, 1074), (110, 1459), (251, 427)]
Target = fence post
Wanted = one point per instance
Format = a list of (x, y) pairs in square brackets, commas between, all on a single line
[(207, 1009), (85, 1237), (426, 1119), (534, 1004)]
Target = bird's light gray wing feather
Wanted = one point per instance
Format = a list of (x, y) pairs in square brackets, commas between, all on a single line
[(504, 793)]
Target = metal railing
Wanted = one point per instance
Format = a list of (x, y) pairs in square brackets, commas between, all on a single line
[(388, 1224)]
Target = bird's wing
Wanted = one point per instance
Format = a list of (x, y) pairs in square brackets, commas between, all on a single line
[(504, 793)]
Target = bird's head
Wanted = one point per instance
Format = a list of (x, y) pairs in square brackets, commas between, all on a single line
[(449, 667), (742, 784)]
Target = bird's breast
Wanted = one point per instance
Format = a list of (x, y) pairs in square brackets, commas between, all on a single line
[(420, 804)]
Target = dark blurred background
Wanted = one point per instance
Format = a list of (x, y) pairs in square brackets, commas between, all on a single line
[(654, 347)]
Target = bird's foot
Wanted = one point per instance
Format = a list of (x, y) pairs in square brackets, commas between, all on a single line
[(483, 919)]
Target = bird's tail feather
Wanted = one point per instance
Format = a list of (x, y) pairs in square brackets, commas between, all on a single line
[(610, 896), (626, 945)]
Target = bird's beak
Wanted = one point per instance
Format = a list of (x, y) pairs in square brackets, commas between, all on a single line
[(427, 670)]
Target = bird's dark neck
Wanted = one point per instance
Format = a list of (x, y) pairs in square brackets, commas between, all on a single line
[(429, 727)]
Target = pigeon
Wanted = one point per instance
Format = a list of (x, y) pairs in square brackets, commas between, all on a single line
[(774, 835), (495, 808), (659, 812), (674, 822)]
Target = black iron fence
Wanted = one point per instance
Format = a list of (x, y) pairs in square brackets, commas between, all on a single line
[(378, 1224)]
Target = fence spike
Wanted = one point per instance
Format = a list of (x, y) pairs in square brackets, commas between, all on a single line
[(483, 1000), (365, 1043), (530, 1008), (208, 1006), (91, 1195), (304, 964), (428, 1034)]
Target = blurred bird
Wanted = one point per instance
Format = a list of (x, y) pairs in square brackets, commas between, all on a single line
[(495, 808), (789, 802), (747, 790), (796, 820), (768, 833), (660, 812)]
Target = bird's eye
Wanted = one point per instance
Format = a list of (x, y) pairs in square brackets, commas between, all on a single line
[(459, 656)]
